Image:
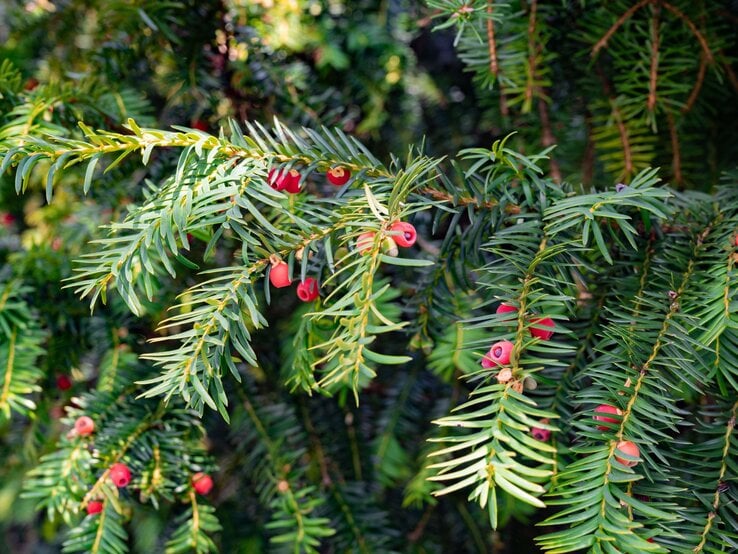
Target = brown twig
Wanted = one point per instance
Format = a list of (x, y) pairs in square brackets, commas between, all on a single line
[(656, 39), (622, 129), (494, 65), (532, 51), (589, 154), (697, 84), (600, 44), (731, 75), (436, 194), (548, 138), (676, 158), (692, 27)]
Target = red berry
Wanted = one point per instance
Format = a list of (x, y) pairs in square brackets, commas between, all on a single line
[(120, 475), (63, 382), (629, 449), (735, 240), (31, 84), (202, 482), (499, 354), (506, 309), (284, 180), (279, 276), (84, 425), (606, 409), (404, 234), (338, 175), (307, 291), (6, 219), (94, 507), (541, 434), (365, 242), (200, 125), (539, 328)]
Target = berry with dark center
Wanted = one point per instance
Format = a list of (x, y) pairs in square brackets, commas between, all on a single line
[(541, 434), (279, 276), (404, 233), (338, 175), (63, 382), (84, 426), (94, 507), (629, 449), (202, 482), (120, 475), (365, 242), (499, 354), (307, 291), (542, 328), (606, 409)]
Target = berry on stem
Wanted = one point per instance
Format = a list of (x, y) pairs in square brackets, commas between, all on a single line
[(94, 507), (84, 425), (307, 290), (405, 234), (279, 276), (63, 382), (338, 175), (539, 327), (120, 475), (506, 309), (539, 433), (284, 180), (202, 482), (365, 242), (606, 409), (629, 449), (499, 354)]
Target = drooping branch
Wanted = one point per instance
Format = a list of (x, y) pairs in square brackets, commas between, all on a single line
[(692, 27), (494, 65), (600, 44), (697, 84), (655, 43), (676, 158)]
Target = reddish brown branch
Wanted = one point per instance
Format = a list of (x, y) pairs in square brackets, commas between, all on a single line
[(624, 139), (436, 194), (731, 75), (676, 157), (622, 19), (692, 27), (494, 66), (697, 84), (548, 138), (532, 50), (655, 43)]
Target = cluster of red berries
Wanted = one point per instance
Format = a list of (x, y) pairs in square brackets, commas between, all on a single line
[(499, 356), (120, 474), (403, 234), (603, 413), (289, 181), (279, 276)]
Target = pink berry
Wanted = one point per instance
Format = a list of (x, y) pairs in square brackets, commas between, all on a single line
[(629, 449), (94, 507), (499, 354), (120, 475), (404, 234), (365, 242), (539, 327), (307, 291), (541, 434), (606, 409), (279, 276), (84, 426), (338, 175), (202, 482)]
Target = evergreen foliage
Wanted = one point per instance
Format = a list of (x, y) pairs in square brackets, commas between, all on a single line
[(143, 226)]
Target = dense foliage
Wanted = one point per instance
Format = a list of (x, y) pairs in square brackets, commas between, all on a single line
[(552, 363)]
